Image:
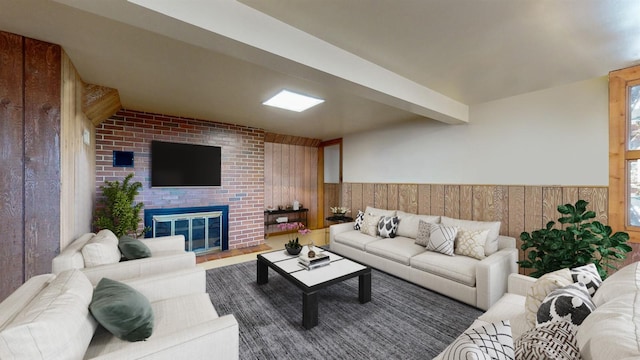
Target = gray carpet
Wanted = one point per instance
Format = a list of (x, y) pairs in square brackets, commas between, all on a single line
[(402, 321)]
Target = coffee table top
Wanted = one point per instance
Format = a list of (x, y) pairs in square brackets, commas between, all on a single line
[(339, 267)]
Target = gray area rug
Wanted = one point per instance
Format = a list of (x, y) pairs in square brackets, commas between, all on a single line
[(402, 321)]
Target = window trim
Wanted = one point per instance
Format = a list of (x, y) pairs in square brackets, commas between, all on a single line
[(619, 83)]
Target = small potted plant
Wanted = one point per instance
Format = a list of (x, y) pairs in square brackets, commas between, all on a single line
[(339, 211), (293, 246)]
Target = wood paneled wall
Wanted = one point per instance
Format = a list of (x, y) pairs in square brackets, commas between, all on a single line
[(291, 173), (519, 208), (332, 193), (78, 165), (29, 158)]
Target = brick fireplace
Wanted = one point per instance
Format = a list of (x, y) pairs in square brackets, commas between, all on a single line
[(242, 188)]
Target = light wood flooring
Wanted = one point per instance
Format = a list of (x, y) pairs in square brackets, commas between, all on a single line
[(320, 237)]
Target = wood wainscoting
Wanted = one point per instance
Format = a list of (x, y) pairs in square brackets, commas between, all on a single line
[(519, 208)]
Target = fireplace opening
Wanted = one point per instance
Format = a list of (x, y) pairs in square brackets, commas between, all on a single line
[(205, 228)]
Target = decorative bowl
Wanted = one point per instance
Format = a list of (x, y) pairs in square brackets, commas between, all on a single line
[(293, 251)]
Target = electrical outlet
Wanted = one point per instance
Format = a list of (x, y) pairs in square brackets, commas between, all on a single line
[(86, 137)]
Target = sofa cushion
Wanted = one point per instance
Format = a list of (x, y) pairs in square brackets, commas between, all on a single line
[(379, 212), (622, 282), (122, 310), (611, 331), (354, 238), (588, 275), (102, 249), (493, 226), (370, 224), (388, 226), (441, 238), (491, 341), (461, 269), (408, 226), (54, 325), (132, 248), (555, 340), (571, 303), (400, 249), (543, 287), (171, 320), (471, 243)]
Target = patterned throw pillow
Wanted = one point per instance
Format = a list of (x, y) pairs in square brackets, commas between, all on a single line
[(370, 224), (422, 238), (571, 303), (588, 275), (441, 238), (492, 341), (471, 243), (359, 219), (540, 289), (388, 226), (555, 340)]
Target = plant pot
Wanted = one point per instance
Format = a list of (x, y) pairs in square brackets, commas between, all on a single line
[(292, 250)]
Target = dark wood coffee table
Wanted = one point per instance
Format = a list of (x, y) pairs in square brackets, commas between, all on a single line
[(311, 281)]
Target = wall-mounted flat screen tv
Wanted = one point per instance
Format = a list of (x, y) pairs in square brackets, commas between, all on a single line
[(175, 164)]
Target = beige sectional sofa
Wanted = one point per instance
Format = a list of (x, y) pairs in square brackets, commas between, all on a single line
[(477, 282), (611, 331), (48, 318)]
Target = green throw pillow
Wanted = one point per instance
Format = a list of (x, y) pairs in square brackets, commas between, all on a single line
[(122, 310), (132, 248)]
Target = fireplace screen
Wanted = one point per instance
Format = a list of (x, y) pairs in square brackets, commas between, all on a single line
[(202, 231)]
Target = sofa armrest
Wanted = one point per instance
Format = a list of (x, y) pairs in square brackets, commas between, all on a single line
[(520, 284), (492, 274), (165, 243), (218, 338), (339, 228), (171, 284), (141, 267)]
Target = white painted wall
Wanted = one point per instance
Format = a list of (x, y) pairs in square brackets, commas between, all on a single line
[(557, 136)]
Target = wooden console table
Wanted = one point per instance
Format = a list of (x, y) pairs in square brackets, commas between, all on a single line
[(270, 223)]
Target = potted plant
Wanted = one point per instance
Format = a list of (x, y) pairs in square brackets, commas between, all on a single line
[(116, 210), (293, 246), (580, 242)]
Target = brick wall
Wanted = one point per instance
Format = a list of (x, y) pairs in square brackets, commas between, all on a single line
[(242, 166)]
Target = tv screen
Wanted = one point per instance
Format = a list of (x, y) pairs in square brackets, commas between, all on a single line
[(174, 164)]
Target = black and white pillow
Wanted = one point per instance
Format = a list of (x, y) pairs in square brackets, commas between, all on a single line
[(359, 219), (571, 303), (551, 341), (388, 226), (588, 275), (492, 341)]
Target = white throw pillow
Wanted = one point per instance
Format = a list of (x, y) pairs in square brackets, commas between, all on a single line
[(493, 226), (471, 243), (370, 224), (408, 226), (441, 238), (101, 250), (492, 341)]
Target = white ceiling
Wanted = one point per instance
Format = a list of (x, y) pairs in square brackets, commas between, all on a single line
[(376, 62)]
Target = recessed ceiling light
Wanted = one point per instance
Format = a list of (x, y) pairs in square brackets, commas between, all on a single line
[(288, 100)]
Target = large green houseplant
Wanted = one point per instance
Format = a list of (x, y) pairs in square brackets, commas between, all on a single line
[(581, 241), (116, 210)]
